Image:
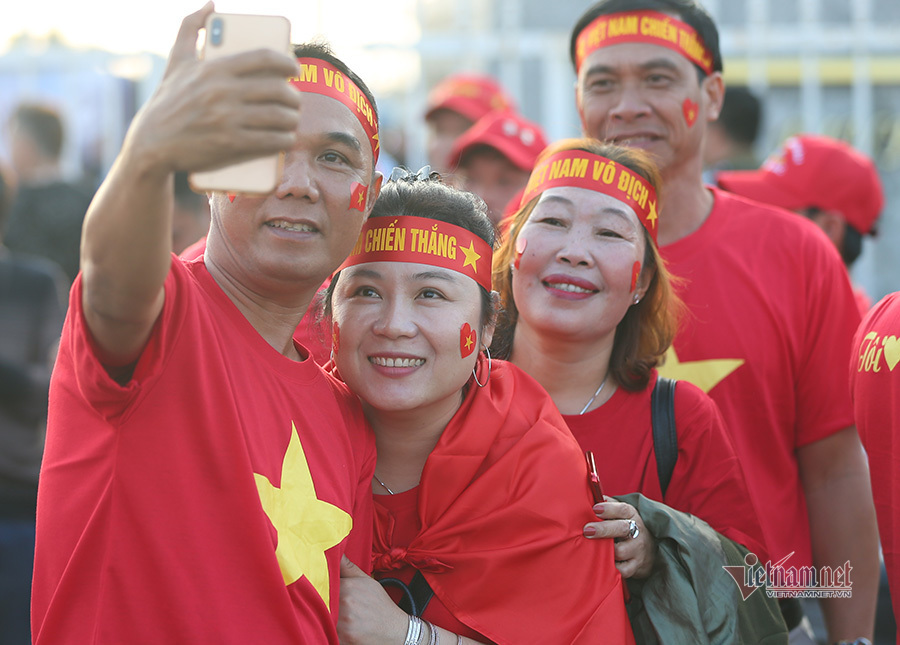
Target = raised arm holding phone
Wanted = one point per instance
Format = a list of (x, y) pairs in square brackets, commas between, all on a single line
[(202, 475)]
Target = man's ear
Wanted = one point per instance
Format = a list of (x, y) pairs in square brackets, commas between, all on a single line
[(713, 88), (374, 191), (578, 107)]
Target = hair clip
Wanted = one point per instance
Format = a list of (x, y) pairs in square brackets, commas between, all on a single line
[(400, 173)]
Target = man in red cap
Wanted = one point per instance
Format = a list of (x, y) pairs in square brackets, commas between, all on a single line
[(494, 159), (453, 106), (834, 185), (771, 316)]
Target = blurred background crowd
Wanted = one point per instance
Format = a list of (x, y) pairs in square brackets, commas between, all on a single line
[(475, 88)]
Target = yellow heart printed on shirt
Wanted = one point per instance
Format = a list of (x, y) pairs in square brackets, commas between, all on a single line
[(891, 351)]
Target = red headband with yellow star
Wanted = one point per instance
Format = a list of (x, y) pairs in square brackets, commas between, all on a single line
[(650, 27), (580, 169), (320, 77), (424, 241)]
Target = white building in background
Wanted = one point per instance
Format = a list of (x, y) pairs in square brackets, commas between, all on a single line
[(825, 66)]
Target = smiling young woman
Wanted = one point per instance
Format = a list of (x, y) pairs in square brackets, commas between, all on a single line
[(481, 491)]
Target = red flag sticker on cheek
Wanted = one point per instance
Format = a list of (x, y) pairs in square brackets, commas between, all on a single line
[(521, 243), (335, 337), (467, 338), (635, 274), (358, 195), (231, 197), (690, 110)]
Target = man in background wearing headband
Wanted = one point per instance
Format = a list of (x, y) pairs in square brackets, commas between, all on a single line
[(202, 474), (771, 316)]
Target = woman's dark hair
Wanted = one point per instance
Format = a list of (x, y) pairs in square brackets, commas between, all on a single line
[(430, 198), (687, 11), (646, 331)]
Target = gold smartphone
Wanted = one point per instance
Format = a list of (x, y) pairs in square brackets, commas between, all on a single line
[(228, 34)]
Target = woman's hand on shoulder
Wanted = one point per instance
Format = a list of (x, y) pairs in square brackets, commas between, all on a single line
[(635, 547), (367, 615)]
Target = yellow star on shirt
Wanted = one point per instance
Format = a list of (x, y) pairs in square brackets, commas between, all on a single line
[(704, 374), (306, 526), (471, 256), (652, 216)]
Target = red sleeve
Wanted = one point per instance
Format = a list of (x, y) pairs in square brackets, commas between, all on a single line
[(823, 405), (708, 480)]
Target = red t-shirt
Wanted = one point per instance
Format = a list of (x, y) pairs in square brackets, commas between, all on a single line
[(501, 506), (309, 333), (159, 500), (875, 388), (708, 480), (770, 322)]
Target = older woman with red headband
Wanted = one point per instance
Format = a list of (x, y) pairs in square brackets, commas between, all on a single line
[(481, 490), (588, 311)]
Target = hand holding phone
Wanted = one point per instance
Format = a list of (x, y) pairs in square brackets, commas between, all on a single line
[(228, 34)]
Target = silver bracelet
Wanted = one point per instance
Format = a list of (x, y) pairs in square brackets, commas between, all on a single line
[(435, 639), (413, 631)]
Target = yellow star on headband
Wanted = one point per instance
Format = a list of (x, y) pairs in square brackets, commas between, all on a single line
[(306, 526), (471, 256), (652, 216), (376, 140)]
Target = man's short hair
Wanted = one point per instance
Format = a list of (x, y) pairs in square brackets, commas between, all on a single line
[(43, 125), (687, 11), (741, 114)]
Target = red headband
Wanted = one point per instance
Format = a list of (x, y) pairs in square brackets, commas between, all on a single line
[(579, 169), (643, 27), (424, 241), (320, 77)]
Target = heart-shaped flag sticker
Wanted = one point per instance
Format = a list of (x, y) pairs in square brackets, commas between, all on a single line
[(467, 338), (521, 243), (690, 110)]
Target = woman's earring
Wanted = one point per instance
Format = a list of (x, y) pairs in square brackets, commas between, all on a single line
[(637, 298), (475, 376)]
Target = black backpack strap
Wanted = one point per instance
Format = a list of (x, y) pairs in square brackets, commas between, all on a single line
[(665, 439), (416, 595)]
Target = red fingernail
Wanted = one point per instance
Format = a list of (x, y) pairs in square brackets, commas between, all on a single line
[(589, 531), (599, 508)]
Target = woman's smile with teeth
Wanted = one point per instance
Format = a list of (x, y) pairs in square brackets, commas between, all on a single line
[(396, 362), (565, 286)]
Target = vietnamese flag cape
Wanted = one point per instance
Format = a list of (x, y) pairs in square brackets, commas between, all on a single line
[(502, 502)]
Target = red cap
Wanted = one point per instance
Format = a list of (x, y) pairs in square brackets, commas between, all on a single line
[(813, 171), (512, 135), (472, 95)]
